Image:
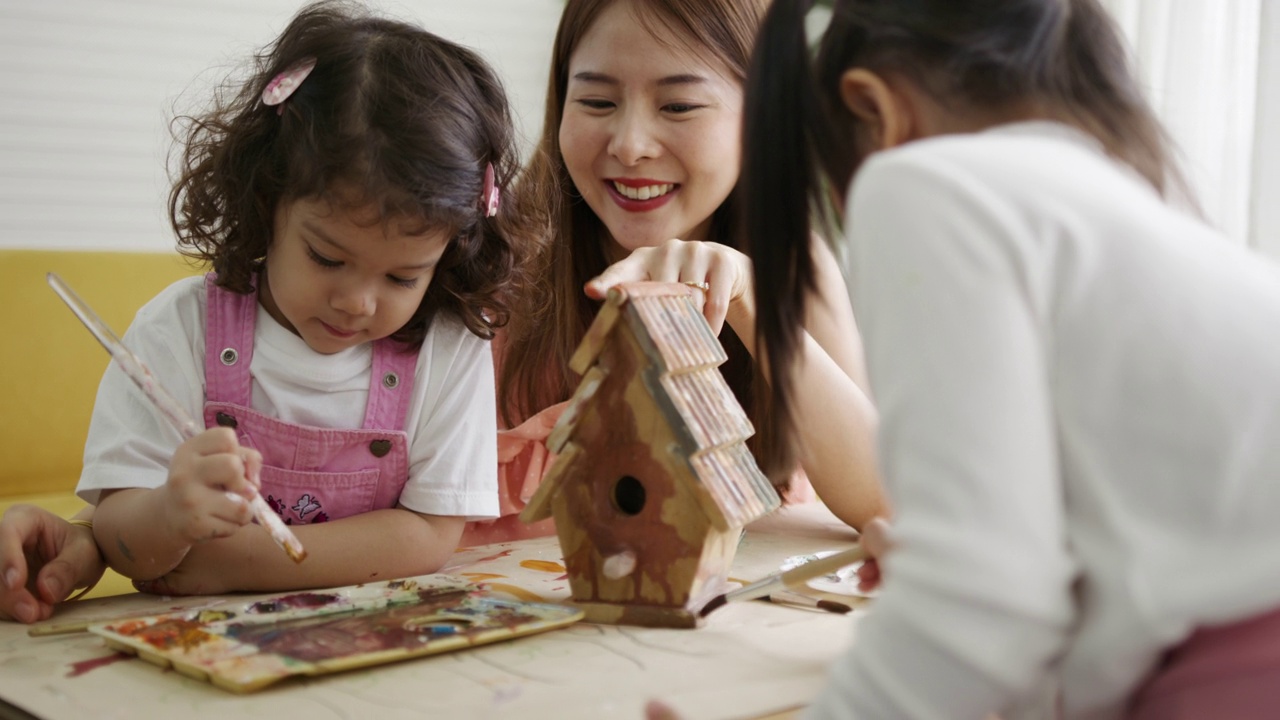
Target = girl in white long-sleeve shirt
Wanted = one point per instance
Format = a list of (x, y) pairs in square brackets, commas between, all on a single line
[(1079, 385)]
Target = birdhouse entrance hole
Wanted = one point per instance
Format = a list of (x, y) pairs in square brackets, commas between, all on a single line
[(628, 495)]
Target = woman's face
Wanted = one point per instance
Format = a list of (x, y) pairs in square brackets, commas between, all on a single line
[(651, 131)]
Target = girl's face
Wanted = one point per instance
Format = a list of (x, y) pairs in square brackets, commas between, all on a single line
[(650, 133), (338, 278)]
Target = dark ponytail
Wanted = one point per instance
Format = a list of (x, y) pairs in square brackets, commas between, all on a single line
[(778, 175)]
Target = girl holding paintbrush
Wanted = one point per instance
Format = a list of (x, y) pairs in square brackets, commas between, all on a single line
[(338, 352), (1077, 381)]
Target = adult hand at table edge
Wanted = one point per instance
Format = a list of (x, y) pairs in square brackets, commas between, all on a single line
[(43, 558)]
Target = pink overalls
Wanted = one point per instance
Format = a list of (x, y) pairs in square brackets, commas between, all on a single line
[(309, 474)]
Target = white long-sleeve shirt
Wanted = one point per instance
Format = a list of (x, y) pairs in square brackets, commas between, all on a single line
[(1079, 392)]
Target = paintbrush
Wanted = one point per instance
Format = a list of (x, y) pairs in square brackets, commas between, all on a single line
[(170, 408), (794, 577), (789, 597)]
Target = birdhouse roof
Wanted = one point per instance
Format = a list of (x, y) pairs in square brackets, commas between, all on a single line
[(683, 356)]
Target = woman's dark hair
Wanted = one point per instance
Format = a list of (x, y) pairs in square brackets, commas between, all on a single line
[(555, 312), (391, 115), (1063, 56)]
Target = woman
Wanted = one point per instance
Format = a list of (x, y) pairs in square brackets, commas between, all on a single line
[(638, 166)]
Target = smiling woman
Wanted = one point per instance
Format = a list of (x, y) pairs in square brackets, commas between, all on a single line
[(650, 131), (638, 166)]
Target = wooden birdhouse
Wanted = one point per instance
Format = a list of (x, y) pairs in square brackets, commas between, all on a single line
[(653, 481)]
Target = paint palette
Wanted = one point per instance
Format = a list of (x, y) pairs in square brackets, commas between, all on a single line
[(246, 647)]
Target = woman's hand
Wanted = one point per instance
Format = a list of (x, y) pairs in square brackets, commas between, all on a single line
[(42, 559), (876, 540), (725, 271), (208, 492)]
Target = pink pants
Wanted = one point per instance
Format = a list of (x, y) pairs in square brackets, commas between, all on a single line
[(1222, 673)]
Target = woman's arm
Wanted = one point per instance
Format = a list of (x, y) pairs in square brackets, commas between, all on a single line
[(834, 420), (377, 545)]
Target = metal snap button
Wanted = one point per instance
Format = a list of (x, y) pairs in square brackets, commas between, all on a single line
[(229, 356), (226, 420), (391, 380), (379, 448)]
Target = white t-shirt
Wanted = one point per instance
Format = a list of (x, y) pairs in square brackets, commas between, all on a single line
[(1079, 393), (450, 426)]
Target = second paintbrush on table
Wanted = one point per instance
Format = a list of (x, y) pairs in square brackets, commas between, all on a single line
[(793, 578)]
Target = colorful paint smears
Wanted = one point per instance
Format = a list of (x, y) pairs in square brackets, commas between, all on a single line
[(251, 646)]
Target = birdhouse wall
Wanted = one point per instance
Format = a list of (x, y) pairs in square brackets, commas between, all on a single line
[(679, 556)]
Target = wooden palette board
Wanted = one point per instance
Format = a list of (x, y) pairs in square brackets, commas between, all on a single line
[(243, 648)]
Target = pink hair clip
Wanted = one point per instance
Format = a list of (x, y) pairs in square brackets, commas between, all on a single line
[(491, 195), (284, 84)]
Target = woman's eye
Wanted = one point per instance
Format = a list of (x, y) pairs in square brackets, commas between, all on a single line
[(321, 260), (681, 108), (595, 104)]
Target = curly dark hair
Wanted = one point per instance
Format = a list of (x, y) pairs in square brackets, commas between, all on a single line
[(404, 118)]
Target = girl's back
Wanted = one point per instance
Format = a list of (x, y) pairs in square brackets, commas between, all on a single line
[(1104, 368)]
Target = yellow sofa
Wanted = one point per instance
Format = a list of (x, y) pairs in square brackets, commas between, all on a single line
[(51, 365)]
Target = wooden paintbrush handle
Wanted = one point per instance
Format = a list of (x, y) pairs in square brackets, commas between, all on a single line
[(798, 576)]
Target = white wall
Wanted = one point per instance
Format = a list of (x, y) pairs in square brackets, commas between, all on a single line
[(87, 88), (1211, 69)]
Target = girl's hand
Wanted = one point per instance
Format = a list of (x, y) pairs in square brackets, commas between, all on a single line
[(209, 487), (726, 272), (208, 569), (876, 540), (42, 559)]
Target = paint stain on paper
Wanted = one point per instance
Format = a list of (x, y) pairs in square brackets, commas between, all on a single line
[(543, 566), (84, 666), (516, 592)]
